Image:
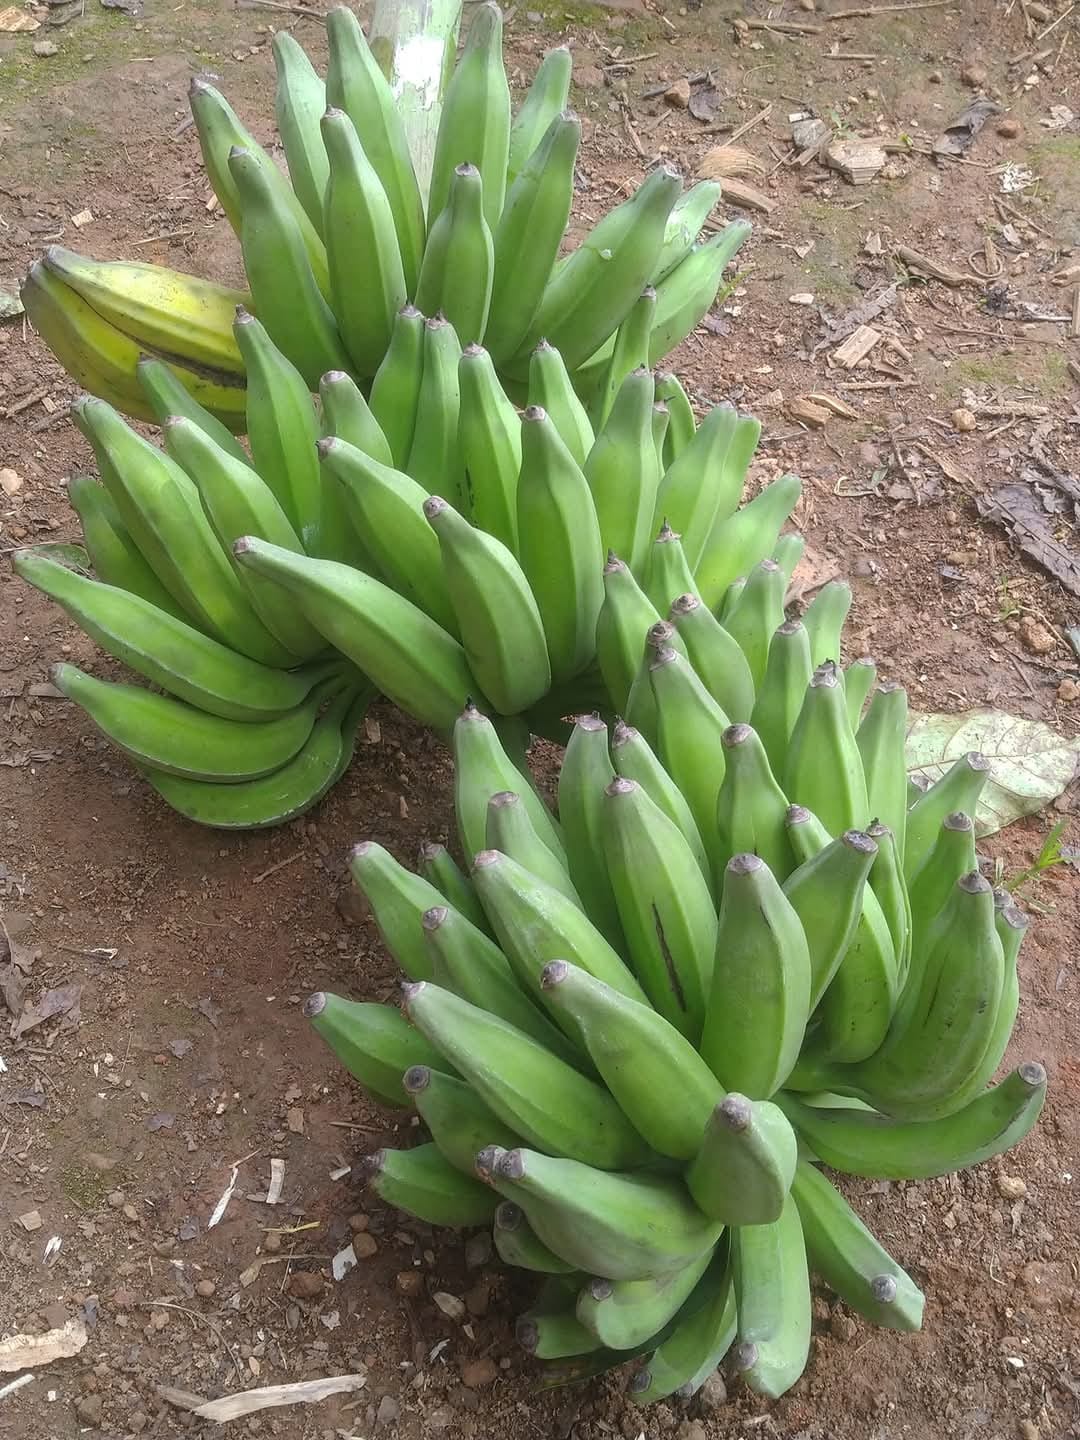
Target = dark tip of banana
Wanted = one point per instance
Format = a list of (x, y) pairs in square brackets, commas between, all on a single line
[(504, 799), (314, 1005), (483, 858), (170, 421), (472, 350), (973, 883), (684, 605), (511, 1165), (243, 546), (685, 1392), (1032, 1073), (736, 735), (326, 446), (745, 864), (666, 533), (430, 850), (796, 815), (509, 1216), (541, 345), (790, 627), (666, 656), (433, 918), (640, 1380), (466, 168), (437, 321), (601, 1289), (535, 414), (745, 1355), (1015, 918), (415, 1079), (361, 849), (410, 990), (827, 674), (865, 660), (553, 973), (527, 1333), (735, 1111), (861, 841), (977, 760), (958, 821), (621, 786), (485, 1161), (623, 734), (658, 635), (434, 506), (198, 85), (242, 316), (236, 150), (883, 1289), (769, 566), (642, 370), (335, 377), (369, 1168), (591, 723), (332, 112), (409, 311), (613, 564)]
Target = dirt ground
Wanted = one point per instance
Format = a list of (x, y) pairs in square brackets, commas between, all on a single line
[(194, 952)]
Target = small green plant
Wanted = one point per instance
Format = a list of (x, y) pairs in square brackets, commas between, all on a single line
[(1051, 854)]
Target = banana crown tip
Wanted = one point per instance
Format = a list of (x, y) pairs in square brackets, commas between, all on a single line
[(621, 786), (589, 723), (974, 884), (369, 1168), (601, 1289), (737, 734), (416, 1079), (553, 974), (745, 864), (484, 859), (860, 841), (790, 627), (958, 820), (1032, 1073), (433, 918), (411, 990), (641, 1380), (314, 1005), (534, 414), (244, 545), (735, 1112), (796, 815), (685, 604), (511, 1165), (430, 850), (977, 760), (326, 446), (827, 674), (664, 656), (473, 350), (745, 1355), (434, 506), (658, 634), (508, 1216)]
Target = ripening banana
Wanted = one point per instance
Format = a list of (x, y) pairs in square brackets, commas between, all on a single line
[(517, 1243), (434, 455), (827, 892), (115, 557), (585, 774), (687, 293), (824, 620), (624, 1314), (742, 1170), (375, 1043), (737, 543), (347, 416), (456, 272), (550, 1329), (691, 1350), (456, 1118), (630, 352), (634, 759), (690, 724), (951, 855), (756, 616), (399, 899), (959, 788), (168, 395), (782, 691), (689, 495), (438, 867), (667, 575), (682, 424), (751, 809), (688, 215), (790, 549), (625, 616), (880, 738), (551, 388), (824, 769), (859, 679), (511, 831)]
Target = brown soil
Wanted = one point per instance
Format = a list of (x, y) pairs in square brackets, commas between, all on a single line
[(195, 951)]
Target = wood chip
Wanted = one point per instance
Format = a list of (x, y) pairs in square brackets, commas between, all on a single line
[(83, 218), (20, 1352), (678, 95), (830, 402), (803, 410), (247, 1402), (738, 192), (10, 482), (857, 346), (1074, 327), (857, 161), (785, 27), (31, 1220)]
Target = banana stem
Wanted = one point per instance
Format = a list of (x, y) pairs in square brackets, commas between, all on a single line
[(414, 43)]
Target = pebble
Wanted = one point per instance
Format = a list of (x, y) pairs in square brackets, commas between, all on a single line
[(294, 1119), (409, 1282), (935, 77), (43, 49), (31, 1220), (115, 1198), (1068, 690), (963, 420), (88, 1409), (358, 1222), (130, 1213), (387, 1413), (271, 1242), (443, 1418), (364, 1245), (305, 1284), (478, 1250), (478, 1373), (1011, 1187), (974, 75), (678, 94), (1036, 637), (1028, 1429), (589, 77), (691, 1430), (1009, 129), (205, 1288), (842, 1327), (713, 1394)]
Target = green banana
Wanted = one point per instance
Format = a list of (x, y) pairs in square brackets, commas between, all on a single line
[(782, 691), (559, 545), (237, 502), (958, 789), (375, 1043), (489, 440), (434, 457), (438, 867), (694, 1348), (355, 84), (284, 287), (760, 997), (459, 259), (757, 615), (716, 656), (550, 387), (880, 738), (682, 426), (634, 759), (399, 899), (624, 1314), (347, 416), (535, 923), (169, 735), (743, 1169), (626, 614), (737, 543), (161, 509), (690, 492), (516, 1243), (546, 98), (482, 767), (539, 1096), (843, 1252), (616, 1226), (475, 124), (168, 395), (501, 628), (861, 1142), (411, 659), (299, 102), (859, 679), (824, 620), (550, 1330), (527, 235), (623, 473), (463, 959), (690, 724), (824, 768), (114, 555), (686, 295), (688, 215), (667, 575), (423, 1182), (641, 703), (456, 1118), (367, 275), (285, 793), (751, 809), (772, 1292), (167, 651), (395, 390), (585, 774), (387, 507), (641, 1058), (510, 830)]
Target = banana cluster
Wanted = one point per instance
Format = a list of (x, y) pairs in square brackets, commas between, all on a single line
[(633, 1033), (335, 249), (249, 586)]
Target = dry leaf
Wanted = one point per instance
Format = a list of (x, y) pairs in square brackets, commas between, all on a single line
[(64, 1000), (729, 161), (14, 21)]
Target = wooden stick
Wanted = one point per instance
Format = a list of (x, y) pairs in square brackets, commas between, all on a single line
[(763, 114), (1054, 24), (784, 27), (1074, 328), (868, 11), (300, 10)]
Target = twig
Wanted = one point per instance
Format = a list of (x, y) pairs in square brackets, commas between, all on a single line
[(634, 137), (279, 866), (198, 1315), (737, 134), (625, 61), (784, 27), (170, 235), (859, 55), (899, 384), (655, 90), (1074, 328), (1054, 24), (868, 11), (300, 10), (24, 403)]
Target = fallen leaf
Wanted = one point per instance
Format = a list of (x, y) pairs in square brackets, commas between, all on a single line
[(1059, 117), (64, 1000), (34, 1098), (179, 1048), (959, 133), (161, 1122), (1030, 765), (207, 1008), (705, 103), (15, 964), (1032, 516)]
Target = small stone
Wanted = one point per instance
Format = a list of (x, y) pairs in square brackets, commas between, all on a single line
[(963, 420), (364, 1245), (1068, 690), (678, 94), (443, 1418), (159, 1319), (820, 1313), (1009, 129), (387, 1413), (804, 297), (305, 1284), (43, 49), (713, 1394), (409, 1282), (271, 1242), (358, 1222), (842, 1327), (130, 1213), (205, 1288), (807, 5), (294, 1119), (1011, 1187), (88, 1407), (1038, 11), (450, 1305), (116, 1198), (935, 77), (31, 1220), (478, 1250), (974, 75), (477, 1299), (137, 1422), (478, 1373), (1028, 1429), (691, 1430), (589, 77), (1036, 637), (11, 482)]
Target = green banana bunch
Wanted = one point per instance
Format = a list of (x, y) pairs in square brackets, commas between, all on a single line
[(638, 1059)]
